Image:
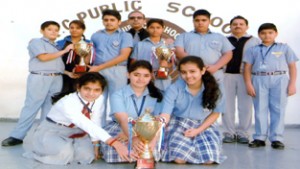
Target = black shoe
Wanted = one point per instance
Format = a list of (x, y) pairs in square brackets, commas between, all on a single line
[(10, 141), (277, 145), (257, 143)]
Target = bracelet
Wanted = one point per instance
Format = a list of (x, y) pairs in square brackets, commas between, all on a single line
[(97, 145), (112, 142)]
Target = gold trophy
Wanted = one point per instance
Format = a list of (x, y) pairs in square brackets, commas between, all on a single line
[(163, 53), (146, 128), (82, 49)]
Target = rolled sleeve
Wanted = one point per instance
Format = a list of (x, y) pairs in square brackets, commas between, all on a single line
[(169, 100)]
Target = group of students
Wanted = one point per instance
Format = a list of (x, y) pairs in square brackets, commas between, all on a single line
[(76, 128)]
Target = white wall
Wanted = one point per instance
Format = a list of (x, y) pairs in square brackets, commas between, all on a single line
[(20, 21)]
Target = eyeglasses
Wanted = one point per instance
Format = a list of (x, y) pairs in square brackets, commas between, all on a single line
[(136, 17)]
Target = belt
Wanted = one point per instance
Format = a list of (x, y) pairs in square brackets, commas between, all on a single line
[(46, 74), (269, 73), (51, 121)]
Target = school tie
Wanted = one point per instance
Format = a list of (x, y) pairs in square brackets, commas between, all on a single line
[(85, 111), (136, 37)]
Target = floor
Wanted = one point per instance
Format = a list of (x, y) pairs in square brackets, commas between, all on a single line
[(238, 156)]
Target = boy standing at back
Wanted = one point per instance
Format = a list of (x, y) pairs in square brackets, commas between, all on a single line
[(214, 48), (44, 80), (113, 47), (270, 77)]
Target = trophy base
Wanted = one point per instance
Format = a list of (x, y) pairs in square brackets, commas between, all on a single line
[(162, 74), (80, 69), (145, 164)]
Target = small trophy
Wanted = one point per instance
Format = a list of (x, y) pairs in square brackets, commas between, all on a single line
[(146, 128), (163, 53), (82, 49)]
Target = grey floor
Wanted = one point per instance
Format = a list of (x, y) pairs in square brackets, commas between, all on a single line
[(239, 156)]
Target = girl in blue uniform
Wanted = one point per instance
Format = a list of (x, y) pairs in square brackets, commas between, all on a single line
[(131, 102), (192, 106), (144, 50)]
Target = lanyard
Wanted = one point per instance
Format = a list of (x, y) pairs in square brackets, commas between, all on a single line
[(135, 105), (85, 105), (265, 55)]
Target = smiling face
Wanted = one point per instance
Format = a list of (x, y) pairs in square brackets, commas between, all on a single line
[(90, 91), (139, 78), (191, 74)]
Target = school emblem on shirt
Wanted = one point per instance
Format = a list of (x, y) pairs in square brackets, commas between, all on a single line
[(277, 54), (116, 43)]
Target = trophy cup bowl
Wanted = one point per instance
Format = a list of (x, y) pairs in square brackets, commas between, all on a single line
[(146, 128), (82, 49), (163, 54)]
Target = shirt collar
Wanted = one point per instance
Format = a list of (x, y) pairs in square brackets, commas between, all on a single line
[(129, 91), (246, 35), (208, 32), (47, 40), (263, 45), (160, 42), (84, 101), (117, 31), (200, 91)]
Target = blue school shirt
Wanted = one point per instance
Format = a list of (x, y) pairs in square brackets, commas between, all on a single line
[(209, 47), (179, 102), (121, 101), (108, 46), (275, 57), (144, 51), (42, 46)]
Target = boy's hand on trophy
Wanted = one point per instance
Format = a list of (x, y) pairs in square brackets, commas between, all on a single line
[(68, 48)]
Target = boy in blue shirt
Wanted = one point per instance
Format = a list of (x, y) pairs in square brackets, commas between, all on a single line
[(270, 77), (44, 80), (113, 47)]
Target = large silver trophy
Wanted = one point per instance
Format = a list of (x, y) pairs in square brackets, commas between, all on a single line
[(164, 54), (83, 50), (146, 128)]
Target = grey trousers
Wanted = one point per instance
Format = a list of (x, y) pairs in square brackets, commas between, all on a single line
[(237, 99)]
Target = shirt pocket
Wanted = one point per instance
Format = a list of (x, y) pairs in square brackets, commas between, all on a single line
[(214, 44)]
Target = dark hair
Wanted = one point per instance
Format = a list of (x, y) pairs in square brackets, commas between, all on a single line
[(48, 23), (155, 20), (201, 12), (267, 26), (211, 92), (136, 11), (89, 77), (153, 91), (114, 13), (239, 17), (80, 24)]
